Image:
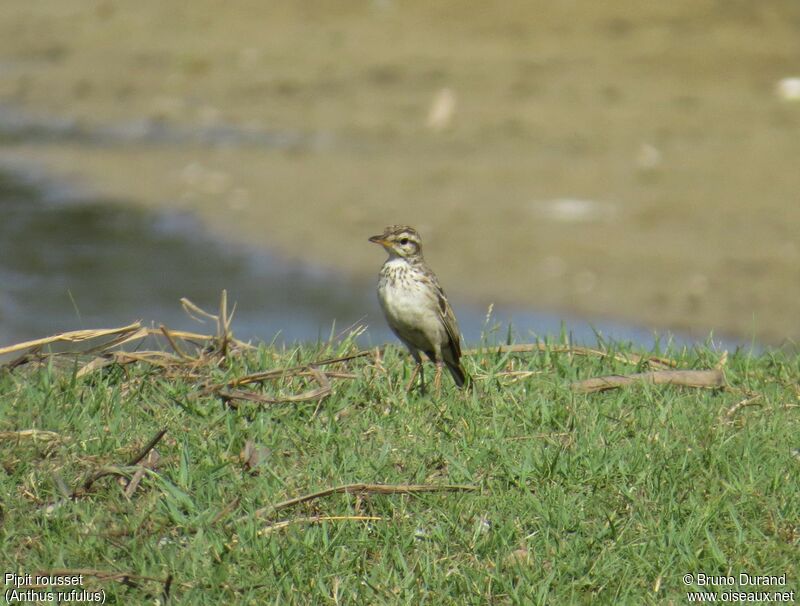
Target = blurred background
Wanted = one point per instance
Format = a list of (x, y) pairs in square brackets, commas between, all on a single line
[(625, 167)]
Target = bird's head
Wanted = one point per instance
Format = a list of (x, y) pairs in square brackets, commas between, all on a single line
[(400, 241)]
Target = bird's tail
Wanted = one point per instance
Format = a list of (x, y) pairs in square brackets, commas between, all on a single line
[(459, 376)]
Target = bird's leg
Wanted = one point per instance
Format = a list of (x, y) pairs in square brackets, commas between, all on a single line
[(410, 384), (437, 379), (417, 369)]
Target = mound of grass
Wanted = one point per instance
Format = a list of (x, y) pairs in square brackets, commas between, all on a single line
[(522, 490)]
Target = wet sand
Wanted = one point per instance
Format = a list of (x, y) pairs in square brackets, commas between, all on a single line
[(630, 162)]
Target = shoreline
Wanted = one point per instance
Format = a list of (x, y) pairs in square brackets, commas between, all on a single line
[(527, 324), (105, 301)]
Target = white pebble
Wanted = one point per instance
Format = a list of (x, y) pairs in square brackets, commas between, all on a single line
[(788, 89)]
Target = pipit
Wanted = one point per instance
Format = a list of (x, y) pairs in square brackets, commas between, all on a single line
[(416, 307)]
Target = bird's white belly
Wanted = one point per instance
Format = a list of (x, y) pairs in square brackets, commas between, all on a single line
[(407, 305), (412, 313)]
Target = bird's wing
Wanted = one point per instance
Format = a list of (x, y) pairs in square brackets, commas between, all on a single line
[(448, 318)]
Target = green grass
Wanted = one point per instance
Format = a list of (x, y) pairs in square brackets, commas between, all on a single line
[(609, 497)]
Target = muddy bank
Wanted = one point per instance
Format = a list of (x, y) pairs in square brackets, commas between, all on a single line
[(634, 163)]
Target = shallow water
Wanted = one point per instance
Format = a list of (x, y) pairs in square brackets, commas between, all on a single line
[(70, 262), (85, 263)]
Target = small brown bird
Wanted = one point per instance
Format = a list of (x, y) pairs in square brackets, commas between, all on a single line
[(416, 307)]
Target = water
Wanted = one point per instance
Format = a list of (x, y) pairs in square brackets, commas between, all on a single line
[(69, 263), (66, 265), (19, 126)]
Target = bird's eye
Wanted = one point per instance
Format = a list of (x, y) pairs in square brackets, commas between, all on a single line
[(403, 241)]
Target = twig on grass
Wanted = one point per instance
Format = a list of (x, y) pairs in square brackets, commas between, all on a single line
[(136, 335), (131, 470), (319, 393), (686, 378), (224, 336), (314, 520), (626, 358), (33, 434), (134, 482), (150, 445), (731, 412), (152, 458), (75, 336), (258, 377), (103, 472), (518, 374), (362, 488), (324, 383), (173, 343), (229, 392), (224, 333)]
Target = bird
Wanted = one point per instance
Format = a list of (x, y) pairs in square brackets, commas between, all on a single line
[(416, 307)]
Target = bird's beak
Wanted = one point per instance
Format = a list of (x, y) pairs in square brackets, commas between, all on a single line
[(378, 240)]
